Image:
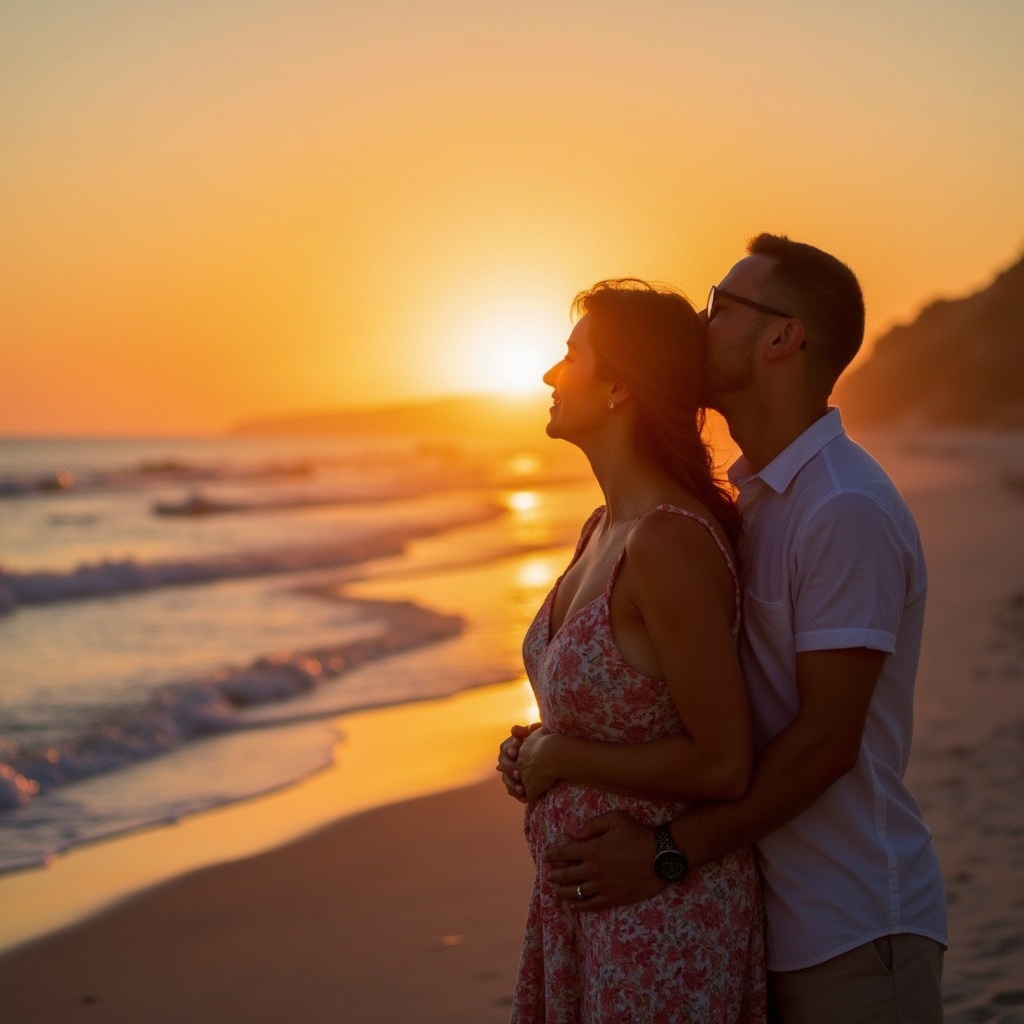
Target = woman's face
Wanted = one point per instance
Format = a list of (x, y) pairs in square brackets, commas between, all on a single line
[(580, 393)]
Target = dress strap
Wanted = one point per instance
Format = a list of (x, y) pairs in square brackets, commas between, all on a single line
[(588, 528), (697, 518)]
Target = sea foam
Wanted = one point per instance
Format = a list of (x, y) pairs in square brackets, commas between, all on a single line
[(191, 709), (110, 577)]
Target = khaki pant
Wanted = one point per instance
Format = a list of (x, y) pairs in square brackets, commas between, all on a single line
[(893, 980)]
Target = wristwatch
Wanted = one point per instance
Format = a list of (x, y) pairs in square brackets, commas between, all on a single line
[(670, 863)]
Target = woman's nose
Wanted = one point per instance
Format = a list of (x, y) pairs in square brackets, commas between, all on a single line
[(551, 377)]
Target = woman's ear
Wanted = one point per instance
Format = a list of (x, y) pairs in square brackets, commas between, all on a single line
[(791, 338), (617, 395)]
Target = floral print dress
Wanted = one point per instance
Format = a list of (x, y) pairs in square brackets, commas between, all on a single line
[(693, 953)]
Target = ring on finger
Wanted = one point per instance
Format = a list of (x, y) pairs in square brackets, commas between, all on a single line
[(579, 891)]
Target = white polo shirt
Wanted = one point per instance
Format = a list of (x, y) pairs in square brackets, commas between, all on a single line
[(832, 559)]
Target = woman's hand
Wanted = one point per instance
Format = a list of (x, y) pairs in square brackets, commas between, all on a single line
[(508, 754), (534, 765)]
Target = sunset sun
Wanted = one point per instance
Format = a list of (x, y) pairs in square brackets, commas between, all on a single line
[(516, 367), (509, 354)]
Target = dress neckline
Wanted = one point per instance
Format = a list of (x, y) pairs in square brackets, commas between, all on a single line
[(588, 528)]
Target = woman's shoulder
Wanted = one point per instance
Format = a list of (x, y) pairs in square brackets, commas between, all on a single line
[(679, 555), (671, 532)]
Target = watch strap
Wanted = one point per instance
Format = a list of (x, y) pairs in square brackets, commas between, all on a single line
[(663, 839)]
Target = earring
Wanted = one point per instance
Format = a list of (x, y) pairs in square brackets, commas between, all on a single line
[(611, 404)]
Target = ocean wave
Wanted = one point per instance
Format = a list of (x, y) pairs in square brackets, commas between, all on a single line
[(16, 485), (145, 474), (203, 503), (193, 709), (108, 578), (410, 465)]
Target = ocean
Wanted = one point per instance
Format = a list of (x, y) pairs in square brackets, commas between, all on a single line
[(182, 621)]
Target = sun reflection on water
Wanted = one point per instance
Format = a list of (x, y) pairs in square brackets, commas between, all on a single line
[(529, 710), (528, 522), (523, 501), (536, 573), (523, 464)]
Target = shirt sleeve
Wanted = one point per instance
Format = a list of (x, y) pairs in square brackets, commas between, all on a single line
[(852, 573)]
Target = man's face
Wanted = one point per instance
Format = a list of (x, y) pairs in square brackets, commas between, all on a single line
[(733, 329)]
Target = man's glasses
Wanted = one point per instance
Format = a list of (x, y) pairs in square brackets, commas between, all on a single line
[(717, 292)]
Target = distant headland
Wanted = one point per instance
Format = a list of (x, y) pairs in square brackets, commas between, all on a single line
[(491, 418), (959, 364)]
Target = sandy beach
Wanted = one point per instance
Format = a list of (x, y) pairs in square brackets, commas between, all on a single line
[(420, 887), (408, 912), (406, 902)]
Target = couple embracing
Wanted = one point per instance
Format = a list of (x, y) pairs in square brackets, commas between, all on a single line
[(726, 689)]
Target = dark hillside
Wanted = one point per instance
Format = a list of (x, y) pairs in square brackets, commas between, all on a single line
[(960, 363)]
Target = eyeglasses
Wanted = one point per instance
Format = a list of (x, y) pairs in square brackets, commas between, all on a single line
[(715, 292)]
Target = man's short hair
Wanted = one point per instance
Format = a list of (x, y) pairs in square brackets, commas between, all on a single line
[(822, 291)]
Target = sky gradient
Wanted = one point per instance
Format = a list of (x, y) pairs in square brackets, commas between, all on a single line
[(221, 210)]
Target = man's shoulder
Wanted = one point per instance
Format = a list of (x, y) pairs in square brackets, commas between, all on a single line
[(847, 496), (844, 467)]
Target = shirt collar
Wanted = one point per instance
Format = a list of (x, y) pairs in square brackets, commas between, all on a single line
[(779, 473)]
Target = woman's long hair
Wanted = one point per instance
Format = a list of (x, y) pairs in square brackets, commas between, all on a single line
[(650, 340)]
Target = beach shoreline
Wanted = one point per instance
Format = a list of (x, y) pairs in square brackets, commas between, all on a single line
[(415, 908), (379, 761)]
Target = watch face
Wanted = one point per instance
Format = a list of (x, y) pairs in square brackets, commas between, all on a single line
[(670, 865)]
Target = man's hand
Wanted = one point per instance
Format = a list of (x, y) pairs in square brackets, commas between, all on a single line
[(508, 752), (611, 864)]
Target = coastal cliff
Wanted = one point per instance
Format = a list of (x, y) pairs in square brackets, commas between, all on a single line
[(959, 364)]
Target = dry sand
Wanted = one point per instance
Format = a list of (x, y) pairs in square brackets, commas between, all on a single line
[(414, 911)]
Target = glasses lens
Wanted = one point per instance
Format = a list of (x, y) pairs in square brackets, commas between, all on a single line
[(751, 303)]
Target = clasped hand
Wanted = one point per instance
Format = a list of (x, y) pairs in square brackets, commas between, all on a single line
[(521, 763), (610, 863)]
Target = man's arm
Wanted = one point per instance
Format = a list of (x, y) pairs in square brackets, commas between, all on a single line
[(615, 855)]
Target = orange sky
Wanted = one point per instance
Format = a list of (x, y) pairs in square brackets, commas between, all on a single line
[(222, 210)]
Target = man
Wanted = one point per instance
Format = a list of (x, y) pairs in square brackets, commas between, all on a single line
[(834, 592)]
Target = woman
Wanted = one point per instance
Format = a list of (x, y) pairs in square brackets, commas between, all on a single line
[(633, 661)]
